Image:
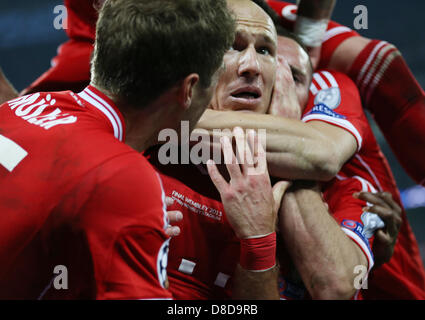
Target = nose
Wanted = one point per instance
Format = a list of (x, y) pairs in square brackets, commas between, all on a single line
[(249, 65)]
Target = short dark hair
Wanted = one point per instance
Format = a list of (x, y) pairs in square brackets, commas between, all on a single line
[(144, 47)]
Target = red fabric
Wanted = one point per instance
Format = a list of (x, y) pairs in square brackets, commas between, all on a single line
[(288, 13), (259, 253), (71, 67), (207, 241), (80, 198), (404, 276), (397, 102)]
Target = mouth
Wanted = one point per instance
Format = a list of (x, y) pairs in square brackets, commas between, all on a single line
[(247, 93)]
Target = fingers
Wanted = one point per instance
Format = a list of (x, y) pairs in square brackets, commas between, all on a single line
[(243, 150), (380, 198), (383, 237), (169, 201), (383, 247), (174, 216), (384, 206), (216, 177), (258, 152), (372, 198), (390, 201), (172, 231), (279, 190), (230, 158)]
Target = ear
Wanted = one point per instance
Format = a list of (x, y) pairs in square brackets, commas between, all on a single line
[(186, 90)]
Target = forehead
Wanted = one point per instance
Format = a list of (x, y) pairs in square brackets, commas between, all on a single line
[(293, 52), (252, 19)]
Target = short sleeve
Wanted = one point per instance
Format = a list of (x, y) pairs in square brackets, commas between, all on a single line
[(335, 99), (124, 219), (358, 225)]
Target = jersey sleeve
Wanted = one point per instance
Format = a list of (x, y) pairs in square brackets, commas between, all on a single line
[(335, 34), (124, 217), (358, 225), (335, 99)]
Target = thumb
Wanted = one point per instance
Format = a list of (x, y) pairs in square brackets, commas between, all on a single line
[(279, 190)]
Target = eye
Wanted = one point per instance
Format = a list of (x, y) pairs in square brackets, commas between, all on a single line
[(264, 51), (296, 78)]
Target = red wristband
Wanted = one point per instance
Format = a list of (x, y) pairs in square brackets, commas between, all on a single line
[(258, 254)]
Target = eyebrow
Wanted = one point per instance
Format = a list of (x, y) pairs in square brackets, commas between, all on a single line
[(263, 36), (267, 39)]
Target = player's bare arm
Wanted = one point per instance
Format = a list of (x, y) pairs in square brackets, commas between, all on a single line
[(249, 205), (323, 255), (295, 150)]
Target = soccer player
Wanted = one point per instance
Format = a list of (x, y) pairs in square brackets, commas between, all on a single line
[(207, 252), (387, 86), (373, 65), (318, 150), (204, 258), (76, 195)]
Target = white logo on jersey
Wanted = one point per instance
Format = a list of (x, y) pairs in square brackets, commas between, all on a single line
[(289, 12), (330, 97), (31, 109), (161, 264)]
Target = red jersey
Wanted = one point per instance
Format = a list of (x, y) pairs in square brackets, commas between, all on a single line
[(70, 69), (334, 99), (73, 194), (204, 256), (81, 19), (358, 225), (334, 36)]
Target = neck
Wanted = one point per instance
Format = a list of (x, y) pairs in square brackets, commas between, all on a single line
[(142, 126)]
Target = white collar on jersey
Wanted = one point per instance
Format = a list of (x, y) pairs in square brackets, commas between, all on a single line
[(106, 108)]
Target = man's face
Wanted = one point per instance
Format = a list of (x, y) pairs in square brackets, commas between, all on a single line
[(300, 65), (250, 65)]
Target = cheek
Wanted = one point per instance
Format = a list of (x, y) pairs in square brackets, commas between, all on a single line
[(270, 74), (303, 95)]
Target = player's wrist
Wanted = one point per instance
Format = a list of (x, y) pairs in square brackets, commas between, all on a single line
[(258, 253), (311, 32)]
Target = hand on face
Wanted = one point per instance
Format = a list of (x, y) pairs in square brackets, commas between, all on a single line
[(285, 100)]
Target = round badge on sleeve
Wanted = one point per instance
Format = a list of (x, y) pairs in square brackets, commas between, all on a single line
[(161, 264), (330, 97)]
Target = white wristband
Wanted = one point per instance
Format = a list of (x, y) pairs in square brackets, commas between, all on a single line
[(311, 32)]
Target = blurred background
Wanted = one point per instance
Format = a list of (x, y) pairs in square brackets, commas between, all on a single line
[(28, 41)]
